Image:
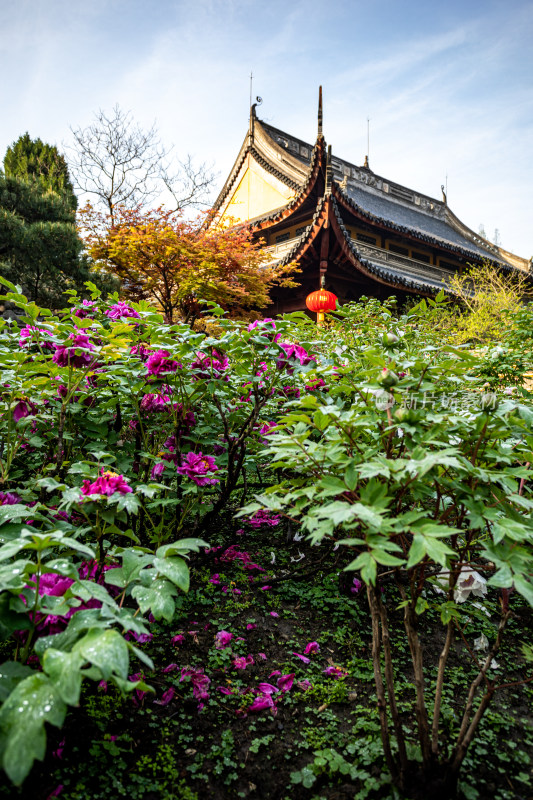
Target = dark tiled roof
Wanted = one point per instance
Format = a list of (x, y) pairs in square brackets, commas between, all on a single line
[(409, 218), (396, 277)]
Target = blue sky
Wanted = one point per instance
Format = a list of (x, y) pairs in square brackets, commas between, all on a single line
[(448, 86)]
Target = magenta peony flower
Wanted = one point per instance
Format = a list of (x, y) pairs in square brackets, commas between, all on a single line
[(285, 682), (120, 310), (9, 499), (158, 469), (24, 408), (208, 367), (302, 658), (263, 703), (289, 392), (37, 336), (195, 466), (77, 354), (141, 351), (316, 383), (106, 484), (334, 672), (292, 354), (265, 327), (159, 362), (264, 518), (155, 402), (222, 639), (166, 697), (87, 307)]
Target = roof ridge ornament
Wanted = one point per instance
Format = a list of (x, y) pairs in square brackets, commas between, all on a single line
[(320, 135), (329, 170), (253, 116)]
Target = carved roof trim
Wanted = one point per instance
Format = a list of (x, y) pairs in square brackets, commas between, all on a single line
[(418, 236), (374, 271)]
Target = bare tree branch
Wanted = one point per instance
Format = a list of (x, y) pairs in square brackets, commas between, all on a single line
[(122, 164)]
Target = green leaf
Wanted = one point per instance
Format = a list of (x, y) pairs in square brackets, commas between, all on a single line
[(524, 587), (175, 569), (33, 702), (157, 598), (63, 669), (11, 674), (105, 649)]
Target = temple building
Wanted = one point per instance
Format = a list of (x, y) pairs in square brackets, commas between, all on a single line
[(346, 227)]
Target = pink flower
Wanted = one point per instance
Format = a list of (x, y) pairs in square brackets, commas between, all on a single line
[(158, 469), (24, 408), (267, 428), (121, 309), (87, 307), (215, 579), (289, 392), (265, 327), (292, 354), (207, 367), (166, 697), (264, 518), (267, 688), (251, 626), (199, 681), (265, 588), (335, 672), (224, 690), (159, 362), (312, 647), (304, 685), (240, 662), (155, 402), (274, 614), (302, 658), (316, 383), (77, 354), (57, 791), (262, 656), (356, 588), (285, 682), (9, 499), (39, 336), (262, 703), (222, 639), (107, 484), (179, 639), (195, 466), (170, 668), (141, 351)]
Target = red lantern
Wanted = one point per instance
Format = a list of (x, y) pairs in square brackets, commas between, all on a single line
[(321, 300)]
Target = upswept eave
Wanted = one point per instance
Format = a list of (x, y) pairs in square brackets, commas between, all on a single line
[(352, 207), (374, 271)]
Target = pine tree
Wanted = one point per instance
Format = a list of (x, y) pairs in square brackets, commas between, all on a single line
[(34, 160)]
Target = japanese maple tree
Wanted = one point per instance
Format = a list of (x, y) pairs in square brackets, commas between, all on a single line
[(161, 256)]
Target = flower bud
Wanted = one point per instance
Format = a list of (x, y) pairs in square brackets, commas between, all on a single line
[(388, 378), (390, 339)]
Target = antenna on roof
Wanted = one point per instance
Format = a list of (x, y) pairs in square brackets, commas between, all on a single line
[(320, 112)]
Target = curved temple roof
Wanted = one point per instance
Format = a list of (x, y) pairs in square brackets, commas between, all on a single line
[(318, 179)]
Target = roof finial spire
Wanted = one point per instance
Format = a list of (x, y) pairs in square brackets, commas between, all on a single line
[(320, 111)]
